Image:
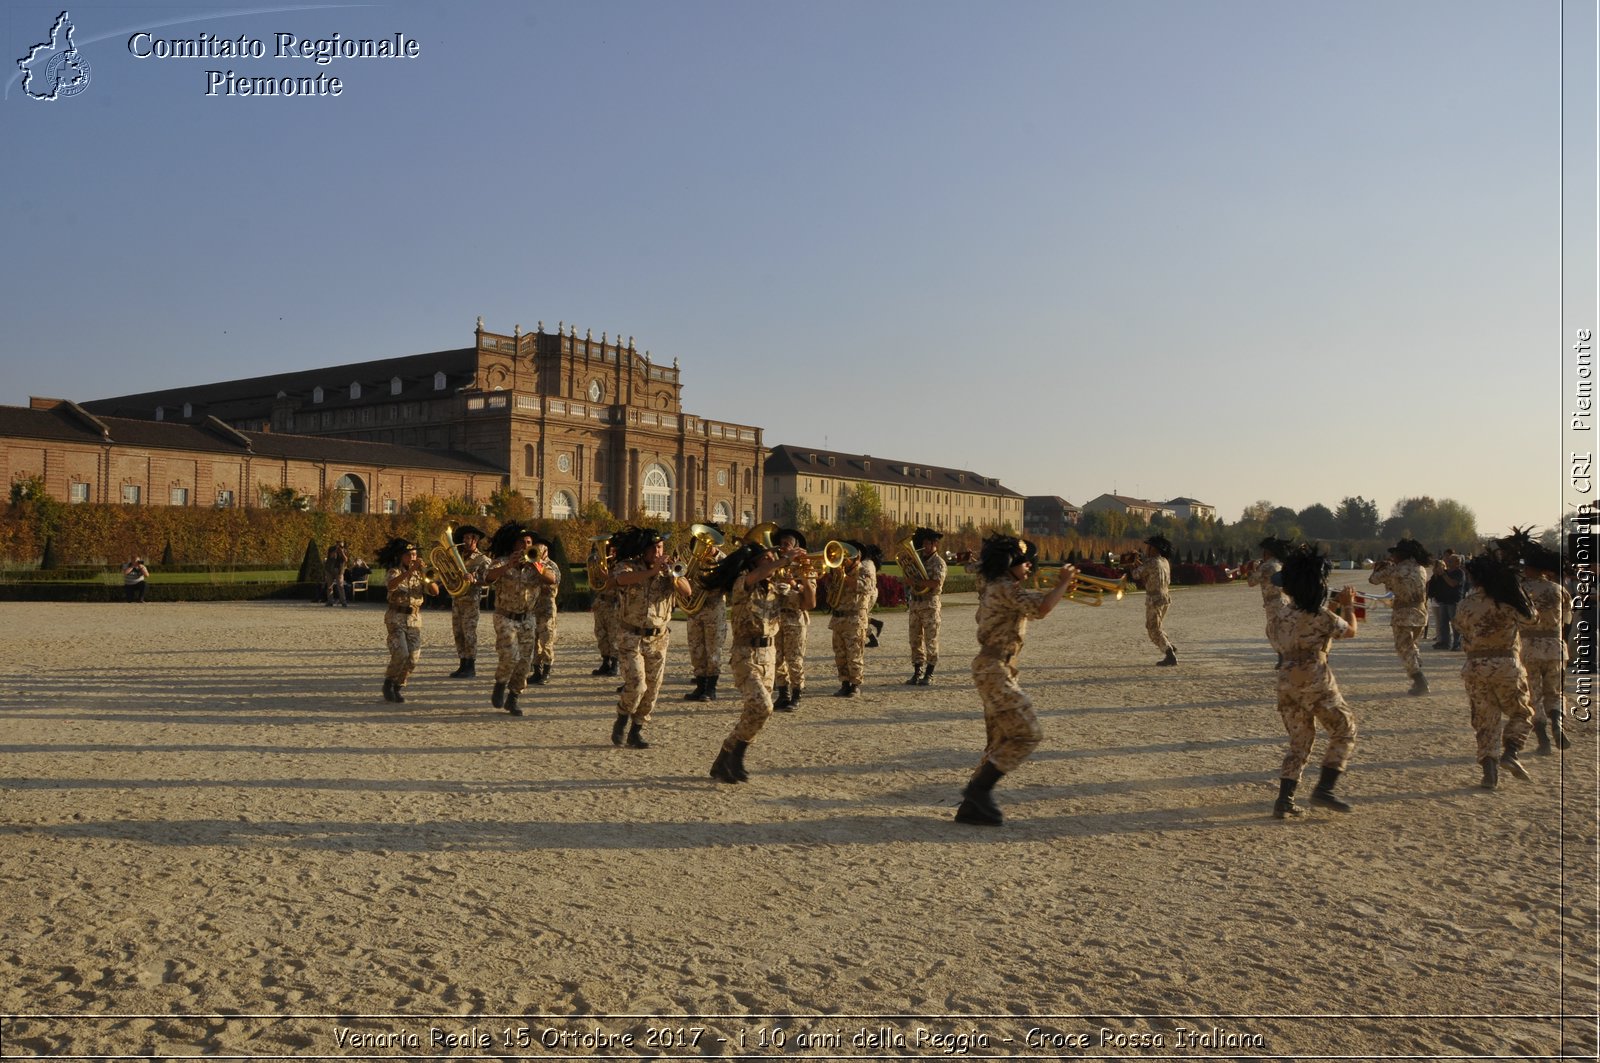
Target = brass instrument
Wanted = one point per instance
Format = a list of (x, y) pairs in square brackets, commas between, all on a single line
[(818, 563), (1086, 590), (761, 534), (444, 558), (707, 554), (911, 566), (598, 568), (838, 578)]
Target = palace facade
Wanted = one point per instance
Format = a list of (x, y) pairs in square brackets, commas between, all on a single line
[(804, 479), (566, 420)]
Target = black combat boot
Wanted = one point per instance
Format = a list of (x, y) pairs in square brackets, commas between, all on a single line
[(497, 698), (780, 700), (398, 696), (736, 761), (1279, 664), (1539, 732), (916, 675), (511, 704), (1491, 773), (722, 767), (1170, 660), (977, 800), (1558, 733), (699, 691), (636, 737), (927, 676), (604, 664), (617, 729), (794, 698), (613, 666), (388, 690), (1509, 761), (875, 627), (536, 677), (1323, 795), (1419, 685), (711, 688), (1285, 807), (465, 671)]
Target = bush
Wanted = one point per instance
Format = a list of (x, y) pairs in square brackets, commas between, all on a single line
[(891, 591)]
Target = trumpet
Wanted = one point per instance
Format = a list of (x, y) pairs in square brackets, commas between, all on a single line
[(446, 559), (820, 562)]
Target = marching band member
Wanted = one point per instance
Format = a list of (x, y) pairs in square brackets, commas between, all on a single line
[(1490, 619), (1273, 554), (603, 605), (794, 623), (1154, 573), (1405, 574), (1303, 628), (923, 609), (408, 582), (516, 578), (464, 609), (1008, 718), (707, 632), (849, 620), (648, 589), (744, 577), (546, 587), (1544, 649)]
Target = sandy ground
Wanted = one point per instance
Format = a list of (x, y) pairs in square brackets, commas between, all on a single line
[(216, 838)]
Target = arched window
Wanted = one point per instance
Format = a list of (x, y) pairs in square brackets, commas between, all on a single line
[(351, 493), (394, 385), (527, 459), (438, 381), (161, 413), (721, 513), (561, 506), (656, 493), (188, 410), (355, 389), (316, 393)]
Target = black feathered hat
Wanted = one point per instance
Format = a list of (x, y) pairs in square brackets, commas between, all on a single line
[(1278, 548), (1305, 577), (394, 551), (925, 535), (1161, 544), (508, 538), (631, 542), (1411, 550), (1499, 581), (1002, 553), (1541, 559), (461, 533), (793, 533)]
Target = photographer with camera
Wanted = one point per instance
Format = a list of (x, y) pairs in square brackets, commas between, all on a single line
[(135, 577)]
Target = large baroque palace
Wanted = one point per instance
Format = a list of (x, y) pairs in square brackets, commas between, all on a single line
[(565, 419)]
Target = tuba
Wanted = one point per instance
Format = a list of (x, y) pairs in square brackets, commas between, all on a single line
[(598, 568), (911, 566), (837, 577), (761, 535), (707, 554), (446, 561)]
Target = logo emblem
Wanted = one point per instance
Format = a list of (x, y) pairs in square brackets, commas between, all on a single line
[(55, 69)]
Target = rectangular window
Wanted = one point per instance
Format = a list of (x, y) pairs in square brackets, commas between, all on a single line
[(130, 494), (78, 493), (179, 496), (224, 499), (391, 506)]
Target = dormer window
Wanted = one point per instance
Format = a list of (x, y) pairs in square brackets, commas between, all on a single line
[(438, 381), (316, 393), (188, 411), (161, 413), (355, 390), (394, 385)]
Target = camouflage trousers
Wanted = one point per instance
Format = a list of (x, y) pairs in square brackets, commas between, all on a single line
[(752, 668), (923, 619), (464, 624), (1406, 637), (605, 626), (544, 636), (403, 635), (790, 668), (642, 661), (1302, 708), (1011, 726), (1155, 611), (1497, 689), (1546, 688), (850, 646), (708, 630), (514, 645)]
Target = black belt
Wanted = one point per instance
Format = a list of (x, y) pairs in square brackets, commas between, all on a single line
[(646, 632), (760, 643), (1483, 654), (846, 612), (518, 617)]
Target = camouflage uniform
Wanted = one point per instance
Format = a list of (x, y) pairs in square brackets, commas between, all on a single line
[(1307, 692), (1272, 596), (849, 621), (1497, 687), (1010, 724), (514, 592), (923, 614), (708, 631), (1409, 584), (544, 615), (1155, 573), (464, 610), (605, 605), (794, 624), (754, 622), (402, 622), (1544, 651), (641, 642)]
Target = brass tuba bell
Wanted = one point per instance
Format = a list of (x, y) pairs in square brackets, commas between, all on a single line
[(446, 561), (911, 566), (708, 553)]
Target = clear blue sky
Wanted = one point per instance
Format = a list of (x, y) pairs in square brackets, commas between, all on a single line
[(1225, 249)]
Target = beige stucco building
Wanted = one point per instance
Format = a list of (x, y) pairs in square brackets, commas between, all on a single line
[(804, 478)]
